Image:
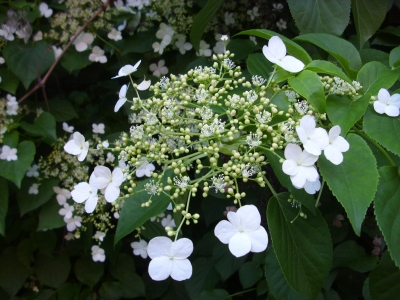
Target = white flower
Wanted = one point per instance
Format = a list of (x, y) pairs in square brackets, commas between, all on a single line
[(224, 38), (127, 70), (275, 52), (97, 55), (204, 49), (8, 153), (73, 222), (299, 165), (243, 231), (62, 195), (170, 258), (69, 236), (168, 222), (67, 211), (182, 45), (38, 36), (86, 192), (82, 41), (140, 248), (387, 104), (99, 235), (115, 35), (33, 171), (45, 10), (98, 128), (105, 144), (281, 24), (314, 139), (312, 187), (34, 189), (337, 145), (165, 33), (2, 61), (159, 48), (119, 4), (145, 169), (98, 254), (110, 157), (253, 13), (12, 105), (69, 129), (57, 51), (7, 32), (159, 68), (277, 6), (77, 146), (122, 98), (144, 85), (122, 26), (229, 19), (107, 181)]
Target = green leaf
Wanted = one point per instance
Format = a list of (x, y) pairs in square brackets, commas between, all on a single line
[(204, 277), (344, 111), (110, 290), (242, 48), (202, 20), (73, 60), (373, 76), (368, 55), (49, 217), (349, 254), (312, 16), (44, 125), (68, 291), (133, 215), (394, 58), (28, 61), (249, 274), (52, 271), (383, 129), (309, 85), (13, 273), (62, 110), (88, 272), (15, 170), (278, 286), (257, 64), (216, 294), (140, 42), (387, 209), (326, 67), (368, 17), (28, 202), (354, 181), (9, 82), (303, 247), (346, 54), (384, 280), (3, 205), (292, 48), (224, 262)]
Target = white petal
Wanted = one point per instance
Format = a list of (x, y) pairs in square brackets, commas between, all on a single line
[(101, 171), (307, 159), (277, 47), (91, 203), (268, 55), (144, 85), (310, 173), (160, 268), (379, 107), (383, 95), (334, 132), (159, 246), (240, 244), (111, 193), (181, 269), (119, 104), (84, 152), (234, 219), (308, 124), (100, 182), (392, 111), (122, 91), (312, 187), (290, 167), (182, 248), (333, 154), (250, 217), (224, 231), (72, 148), (259, 239), (298, 180), (395, 100), (320, 137), (291, 64), (292, 151), (302, 134), (341, 144), (117, 176), (81, 192)]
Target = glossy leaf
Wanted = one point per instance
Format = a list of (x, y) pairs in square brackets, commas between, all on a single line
[(373, 76), (224, 262), (204, 277), (62, 110), (9, 82), (249, 273), (349, 254), (383, 129), (44, 125), (312, 16), (344, 111), (394, 58), (49, 217), (3, 205), (73, 60), (303, 247), (215, 294), (354, 181), (309, 85), (346, 54), (387, 209), (326, 67), (140, 42), (257, 64), (87, 271)]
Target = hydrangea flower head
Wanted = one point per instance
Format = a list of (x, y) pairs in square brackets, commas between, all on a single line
[(275, 52), (387, 104)]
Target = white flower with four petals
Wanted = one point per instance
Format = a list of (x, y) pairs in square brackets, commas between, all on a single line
[(387, 104), (314, 139), (77, 146)]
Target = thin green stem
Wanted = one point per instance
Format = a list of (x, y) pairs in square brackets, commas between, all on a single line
[(320, 192), (183, 219), (271, 77), (239, 293), (109, 44), (270, 186)]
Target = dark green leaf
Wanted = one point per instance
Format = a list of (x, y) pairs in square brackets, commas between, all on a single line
[(354, 181), (204, 277), (49, 217), (52, 271), (9, 82), (394, 58), (224, 262), (373, 76), (110, 290), (202, 20), (387, 209), (44, 125), (309, 85), (26, 249), (326, 67), (62, 110), (68, 291), (349, 254), (28, 61), (368, 55), (216, 294), (3, 205), (368, 16), (241, 48), (365, 290), (257, 64), (303, 247), (140, 42), (344, 111), (249, 274), (87, 271), (312, 16), (73, 60), (13, 273)]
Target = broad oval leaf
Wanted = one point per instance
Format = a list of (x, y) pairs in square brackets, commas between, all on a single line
[(394, 58), (303, 247), (373, 76), (309, 85), (87, 271), (52, 271), (3, 205), (349, 254), (13, 273), (345, 53), (44, 125), (326, 67), (387, 209), (312, 16), (49, 217), (249, 273), (73, 60), (354, 181)]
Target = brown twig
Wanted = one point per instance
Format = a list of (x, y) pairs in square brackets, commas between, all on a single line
[(42, 82)]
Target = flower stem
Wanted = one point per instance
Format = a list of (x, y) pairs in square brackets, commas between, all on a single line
[(271, 77), (183, 219), (320, 192), (270, 186), (239, 293)]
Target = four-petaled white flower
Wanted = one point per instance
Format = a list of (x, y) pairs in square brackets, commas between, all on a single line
[(253, 13), (33, 171), (45, 10), (12, 105), (275, 52), (108, 182), (99, 235), (73, 222), (159, 68), (182, 45), (77, 146), (98, 128), (34, 189), (97, 55), (243, 231), (229, 19), (67, 128), (337, 145), (83, 40), (127, 70), (170, 258), (145, 169), (67, 211), (86, 192), (140, 248), (8, 153), (299, 165), (168, 222), (387, 104), (98, 254), (110, 157), (62, 195), (114, 35), (204, 49), (122, 98), (314, 139)]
